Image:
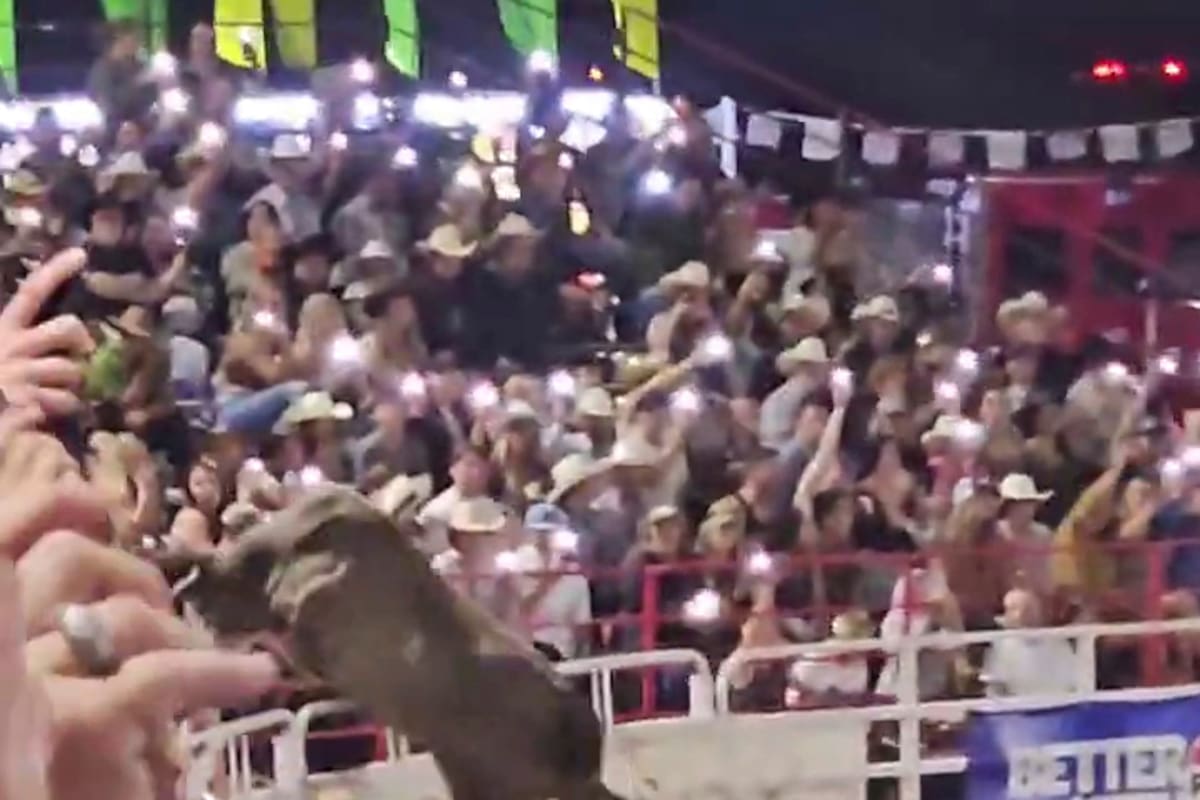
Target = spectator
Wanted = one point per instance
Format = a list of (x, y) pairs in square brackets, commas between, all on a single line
[(806, 368), (376, 215), (477, 538), (116, 80), (197, 526), (311, 424), (471, 474), (833, 680), (1029, 665), (1020, 500), (556, 603), (921, 604), (393, 448), (441, 292)]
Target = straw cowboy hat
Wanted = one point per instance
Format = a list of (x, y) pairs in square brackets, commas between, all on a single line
[(945, 428), (692, 275), (315, 406), (852, 624), (880, 307), (809, 351), (376, 250), (290, 146), (403, 496), (1019, 487), (660, 514), (814, 307), (1030, 304), (516, 226), (595, 401), (572, 471), (24, 183), (128, 166), (478, 515), (447, 241)]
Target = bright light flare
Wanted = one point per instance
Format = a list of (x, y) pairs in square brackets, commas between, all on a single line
[(703, 606)]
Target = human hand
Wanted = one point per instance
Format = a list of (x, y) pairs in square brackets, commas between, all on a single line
[(754, 289), (37, 361)]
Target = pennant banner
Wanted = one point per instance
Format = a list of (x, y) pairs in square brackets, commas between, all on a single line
[(637, 31), (531, 24), (296, 32), (240, 37), (8, 45), (403, 48), (150, 15), (1005, 149)]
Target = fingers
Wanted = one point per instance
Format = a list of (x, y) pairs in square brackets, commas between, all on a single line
[(174, 682), (64, 567), (68, 504), (33, 457), (136, 628), (65, 334), (33, 293), (18, 419), (51, 372)]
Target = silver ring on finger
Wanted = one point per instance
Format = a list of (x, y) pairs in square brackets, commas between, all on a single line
[(89, 639)]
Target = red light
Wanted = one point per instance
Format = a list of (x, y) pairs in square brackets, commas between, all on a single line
[(1109, 70), (1173, 69)]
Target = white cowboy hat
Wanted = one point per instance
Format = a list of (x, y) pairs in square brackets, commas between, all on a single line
[(808, 351), (127, 165), (634, 452), (595, 401), (692, 275), (403, 495), (879, 307), (1020, 487), (516, 225), (945, 427), (660, 514), (447, 241), (479, 515), (313, 406), (289, 146), (376, 250), (570, 472), (519, 411), (813, 305)]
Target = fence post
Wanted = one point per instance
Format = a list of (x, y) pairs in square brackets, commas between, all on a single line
[(909, 695), (1154, 648), (649, 623)]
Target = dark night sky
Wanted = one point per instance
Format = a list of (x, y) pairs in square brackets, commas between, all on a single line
[(934, 62)]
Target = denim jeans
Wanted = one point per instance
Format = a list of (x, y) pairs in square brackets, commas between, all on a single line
[(257, 412)]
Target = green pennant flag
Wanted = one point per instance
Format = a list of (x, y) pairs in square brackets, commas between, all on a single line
[(150, 14), (296, 32), (403, 49), (8, 45), (531, 24)]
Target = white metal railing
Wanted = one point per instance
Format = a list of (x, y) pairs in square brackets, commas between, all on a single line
[(909, 711), (600, 670), (709, 696)]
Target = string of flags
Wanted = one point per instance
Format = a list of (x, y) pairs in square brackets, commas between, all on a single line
[(826, 139)]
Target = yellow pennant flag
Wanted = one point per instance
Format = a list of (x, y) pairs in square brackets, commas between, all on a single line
[(296, 32), (240, 37), (637, 29)]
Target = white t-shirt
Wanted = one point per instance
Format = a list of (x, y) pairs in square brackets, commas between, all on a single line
[(1029, 667), (561, 618), (819, 675)]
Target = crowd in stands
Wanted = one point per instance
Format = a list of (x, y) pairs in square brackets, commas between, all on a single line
[(619, 398)]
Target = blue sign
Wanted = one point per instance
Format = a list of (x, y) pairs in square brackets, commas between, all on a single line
[(1097, 750)]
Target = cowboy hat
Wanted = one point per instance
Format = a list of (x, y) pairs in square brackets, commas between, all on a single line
[(314, 406), (403, 495), (478, 515), (517, 411), (692, 275), (595, 402), (1020, 487), (1030, 304), (128, 166), (852, 624), (660, 514), (516, 225), (290, 146), (814, 306), (572, 471), (24, 183), (445, 240), (376, 250), (946, 426), (879, 307), (809, 351)]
